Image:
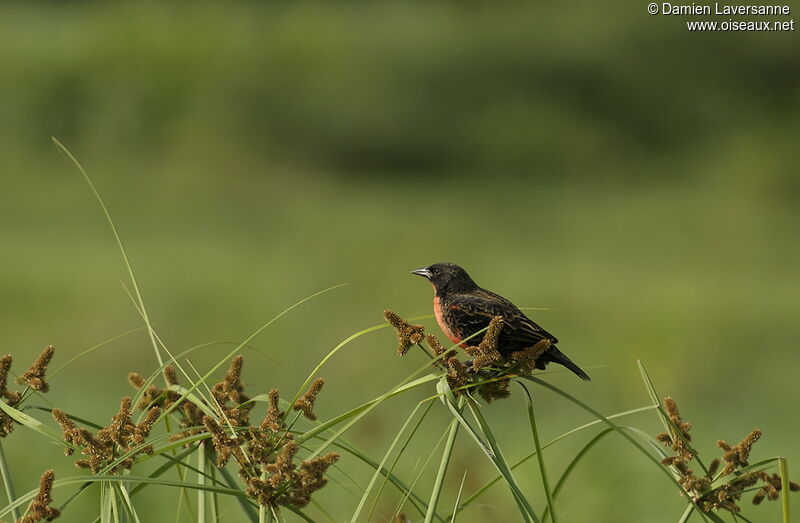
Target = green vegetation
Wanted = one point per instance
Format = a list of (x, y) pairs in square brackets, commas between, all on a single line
[(636, 181), (214, 423)]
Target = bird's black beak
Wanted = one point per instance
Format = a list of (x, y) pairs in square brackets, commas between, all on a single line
[(424, 272)]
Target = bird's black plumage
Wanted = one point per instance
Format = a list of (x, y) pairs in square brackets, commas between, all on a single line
[(463, 308)]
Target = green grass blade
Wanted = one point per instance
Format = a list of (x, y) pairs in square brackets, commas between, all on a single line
[(33, 424), (247, 340), (80, 420), (7, 480), (247, 505), (358, 413), (500, 463), (106, 502), (346, 341), (126, 500), (567, 471), (783, 470), (458, 497), (408, 491), (375, 475), (172, 462), (115, 479), (201, 480), (487, 447), (388, 474), (118, 239), (214, 502), (446, 455), (448, 398), (54, 372), (618, 429), (183, 494), (539, 456), (331, 353), (651, 391), (442, 472), (686, 513), (530, 456), (202, 405), (424, 467), (156, 373), (172, 358), (762, 464), (158, 452), (669, 427)]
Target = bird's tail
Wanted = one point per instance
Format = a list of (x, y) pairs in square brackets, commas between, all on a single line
[(559, 357)]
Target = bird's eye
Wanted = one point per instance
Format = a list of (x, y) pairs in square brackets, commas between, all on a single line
[(434, 271)]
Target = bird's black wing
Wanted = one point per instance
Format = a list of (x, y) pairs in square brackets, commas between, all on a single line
[(478, 308)]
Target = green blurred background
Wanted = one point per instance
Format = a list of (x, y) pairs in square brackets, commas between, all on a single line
[(638, 179)]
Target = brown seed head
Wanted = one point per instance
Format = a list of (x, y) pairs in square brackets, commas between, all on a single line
[(437, 349), (274, 418), (71, 433), (527, 358), (136, 380), (494, 390), (39, 509), (5, 366), (485, 353), (305, 403), (457, 375), (713, 467), (407, 334), (144, 427), (34, 377), (170, 375), (221, 442), (231, 387), (737, 456)]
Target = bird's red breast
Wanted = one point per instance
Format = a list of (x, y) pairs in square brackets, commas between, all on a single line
[(438, 312)]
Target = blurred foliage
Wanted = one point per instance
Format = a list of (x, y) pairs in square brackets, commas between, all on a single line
[(529, 89), (640, 179)]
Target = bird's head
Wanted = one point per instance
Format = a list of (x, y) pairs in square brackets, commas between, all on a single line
[(446, 277)]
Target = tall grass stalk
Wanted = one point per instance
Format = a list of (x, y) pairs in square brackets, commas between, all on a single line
[(472, 497), (783, 470), (621, 432), (686, 513), (446, 455), (213, 498), (201, 479), (539, 456), (247, 340), (458, 496), (578, 457), (499, 461), (175, 448), (669, 426), (7, 481), (374, 477), (388, 475), (418, 474), (61, 147)]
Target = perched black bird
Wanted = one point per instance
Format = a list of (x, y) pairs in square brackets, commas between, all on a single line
[(462, 309)]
